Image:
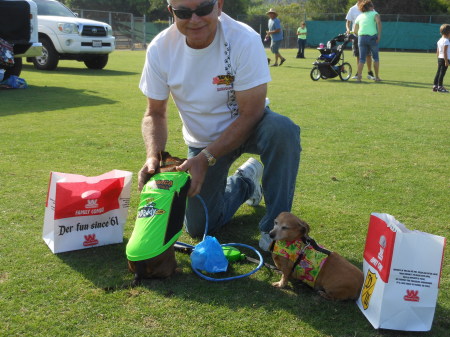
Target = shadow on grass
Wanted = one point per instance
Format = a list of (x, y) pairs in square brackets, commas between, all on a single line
[(40, 99), (405, 84), (80, 71), (106, 268)]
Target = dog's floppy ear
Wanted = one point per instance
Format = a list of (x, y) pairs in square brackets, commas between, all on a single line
[(304, 227)]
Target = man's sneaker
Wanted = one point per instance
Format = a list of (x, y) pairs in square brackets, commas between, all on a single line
[(442, 89), (253, 170), (282, 61), (265, 241), (435, 88), (355, 77)]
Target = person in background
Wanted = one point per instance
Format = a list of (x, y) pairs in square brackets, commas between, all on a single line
[(443, 56), (352, 14), (368, 28), (275, 33), (301, 40), (215, 69)]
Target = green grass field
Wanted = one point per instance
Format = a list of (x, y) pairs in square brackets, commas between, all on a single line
[(369, 147)]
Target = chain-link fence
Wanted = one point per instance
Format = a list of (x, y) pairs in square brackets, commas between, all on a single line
[(421, 31), (400, 31), (131, 32)]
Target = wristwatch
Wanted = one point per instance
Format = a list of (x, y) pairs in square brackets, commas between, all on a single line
[(209, 157)]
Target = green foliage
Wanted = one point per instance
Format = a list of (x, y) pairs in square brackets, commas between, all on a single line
[(290, 14), (236, 7), (158, 10), (154, 9), (137, 7), (326, 6), (415, 7)]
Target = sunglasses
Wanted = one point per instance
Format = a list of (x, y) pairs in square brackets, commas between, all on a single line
[(201, 10)]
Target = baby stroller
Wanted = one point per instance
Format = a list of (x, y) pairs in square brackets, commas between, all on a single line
[(331, 63)]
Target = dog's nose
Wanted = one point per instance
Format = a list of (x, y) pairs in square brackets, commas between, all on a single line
[(272, 234)]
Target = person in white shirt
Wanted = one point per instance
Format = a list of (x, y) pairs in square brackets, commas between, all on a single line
[(443, 55), (215, 68), (352, 14)]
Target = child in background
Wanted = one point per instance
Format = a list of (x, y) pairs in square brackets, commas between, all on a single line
[(443, 54)]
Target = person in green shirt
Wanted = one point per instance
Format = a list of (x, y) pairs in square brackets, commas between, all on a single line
[(368, 29), (301, 35)]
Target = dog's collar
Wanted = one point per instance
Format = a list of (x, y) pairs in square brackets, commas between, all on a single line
[(313, 243)]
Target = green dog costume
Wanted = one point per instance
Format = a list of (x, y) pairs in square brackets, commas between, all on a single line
[(160, 215)]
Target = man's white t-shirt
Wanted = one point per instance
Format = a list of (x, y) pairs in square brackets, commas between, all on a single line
[(352, 14), (202, 82)]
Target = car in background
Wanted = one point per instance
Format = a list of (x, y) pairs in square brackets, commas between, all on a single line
[(65, 36), (19, 27)]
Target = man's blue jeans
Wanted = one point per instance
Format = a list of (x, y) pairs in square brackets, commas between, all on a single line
[(276, 139)]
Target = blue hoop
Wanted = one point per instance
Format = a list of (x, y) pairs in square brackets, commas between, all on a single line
[(261, 260)]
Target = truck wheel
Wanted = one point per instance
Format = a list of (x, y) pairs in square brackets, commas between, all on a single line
[(96, 61), (50, 57), (16, 69)]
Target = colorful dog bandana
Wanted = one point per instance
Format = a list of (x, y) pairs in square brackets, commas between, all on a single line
[(307, 261)]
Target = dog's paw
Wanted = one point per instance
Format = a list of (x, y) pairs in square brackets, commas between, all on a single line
[(325, 295), (278, 284)]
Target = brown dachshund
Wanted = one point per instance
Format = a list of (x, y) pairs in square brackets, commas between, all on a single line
[(297, 255), (164, 264)]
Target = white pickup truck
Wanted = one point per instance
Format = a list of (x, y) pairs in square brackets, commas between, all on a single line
[(65, 36)]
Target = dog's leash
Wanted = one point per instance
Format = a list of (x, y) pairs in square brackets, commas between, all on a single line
[(186, 248)]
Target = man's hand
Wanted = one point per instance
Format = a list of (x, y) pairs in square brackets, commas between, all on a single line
[(149, 169), (197, 167)]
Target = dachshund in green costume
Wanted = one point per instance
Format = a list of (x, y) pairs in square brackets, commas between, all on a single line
[(159, 222)]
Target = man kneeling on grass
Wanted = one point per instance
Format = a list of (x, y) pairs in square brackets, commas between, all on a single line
[(216, 70)]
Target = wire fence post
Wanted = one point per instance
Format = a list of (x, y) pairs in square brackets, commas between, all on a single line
[(145, 32)]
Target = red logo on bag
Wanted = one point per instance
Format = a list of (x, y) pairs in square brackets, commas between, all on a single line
[(91, 197), (412, 296), (90, 240), (75, 199), (379, 247)]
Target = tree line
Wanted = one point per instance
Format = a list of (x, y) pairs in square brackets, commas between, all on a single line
[(157, 9)]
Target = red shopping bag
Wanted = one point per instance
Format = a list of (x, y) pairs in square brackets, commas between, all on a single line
[(83, 212), (402, 270)]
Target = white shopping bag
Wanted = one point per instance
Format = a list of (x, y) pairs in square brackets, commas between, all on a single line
[(402, 270), (83, 212)]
